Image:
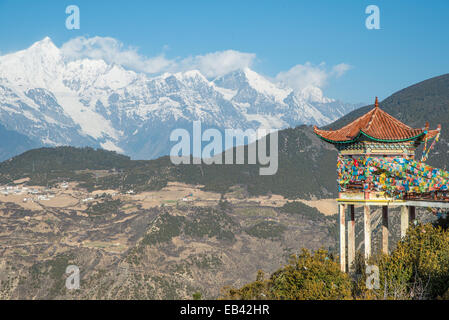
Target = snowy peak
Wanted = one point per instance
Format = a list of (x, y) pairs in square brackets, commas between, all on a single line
[(191, 74), (262, 85), (45, 45), (37, 64), (313, 94), (232, 81), (247, 79)]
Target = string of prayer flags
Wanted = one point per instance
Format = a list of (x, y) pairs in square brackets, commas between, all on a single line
[(394, 176)]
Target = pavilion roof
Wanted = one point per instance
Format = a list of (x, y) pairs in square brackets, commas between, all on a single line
[(377, 125)]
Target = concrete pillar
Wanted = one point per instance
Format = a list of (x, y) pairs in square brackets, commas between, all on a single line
[(351, 238), (342, 213), (385, 231), (411, 213), (404, 220), (367, 230)]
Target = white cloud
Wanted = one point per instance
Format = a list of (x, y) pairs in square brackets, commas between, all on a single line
[(219, 63), (339, 69), (210, 65), (304, 75), (113, 51)]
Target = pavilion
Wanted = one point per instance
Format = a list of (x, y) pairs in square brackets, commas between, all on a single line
[(377, 167)]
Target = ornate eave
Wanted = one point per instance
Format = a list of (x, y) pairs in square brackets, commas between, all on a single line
[(378, 126)]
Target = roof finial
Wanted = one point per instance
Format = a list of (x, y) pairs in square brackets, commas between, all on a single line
[(376, 103)]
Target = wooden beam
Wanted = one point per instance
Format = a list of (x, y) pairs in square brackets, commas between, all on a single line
[(341, 209), (351, 238), (385, 231), (367, 230), (393, 202), (404, 221)]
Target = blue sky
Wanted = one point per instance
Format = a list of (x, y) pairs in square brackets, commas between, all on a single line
[(412, 44)]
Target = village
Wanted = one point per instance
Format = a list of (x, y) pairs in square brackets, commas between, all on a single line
[(69, 196)]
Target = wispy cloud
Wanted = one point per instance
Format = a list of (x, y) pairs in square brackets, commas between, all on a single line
[(219, 63), (210, 65), (113, 51), (340, 69), (303, 75)]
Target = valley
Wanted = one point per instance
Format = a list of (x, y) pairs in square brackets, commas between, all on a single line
[(169, 243), (166, 244)]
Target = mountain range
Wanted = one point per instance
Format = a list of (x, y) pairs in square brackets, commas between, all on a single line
[(47, 99), (306, 163)]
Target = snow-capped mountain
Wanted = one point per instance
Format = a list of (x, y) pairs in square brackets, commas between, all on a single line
[(55, 101)]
